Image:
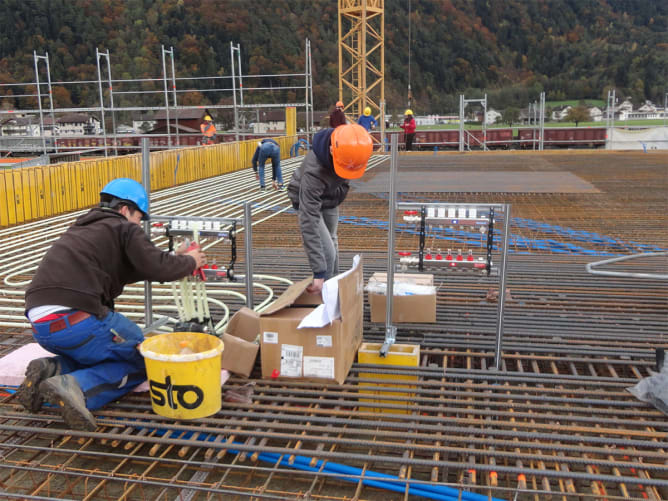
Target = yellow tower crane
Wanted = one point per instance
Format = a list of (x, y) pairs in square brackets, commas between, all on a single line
[(362, 56)]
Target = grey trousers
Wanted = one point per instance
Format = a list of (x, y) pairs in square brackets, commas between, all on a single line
[(327, 226)]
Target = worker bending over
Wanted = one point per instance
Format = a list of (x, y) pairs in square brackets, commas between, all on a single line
[(319, 186), (70, 304), (268, 148)]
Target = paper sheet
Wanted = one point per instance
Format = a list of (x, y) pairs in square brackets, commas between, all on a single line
[(330, 310)]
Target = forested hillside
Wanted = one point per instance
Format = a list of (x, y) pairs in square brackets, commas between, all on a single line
[(512, 49)]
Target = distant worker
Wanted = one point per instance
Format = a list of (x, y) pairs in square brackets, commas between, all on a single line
[(319, 186), (409, 129), (70, 304), (268, 148), (337, 117), (208, 131), (366, 120)]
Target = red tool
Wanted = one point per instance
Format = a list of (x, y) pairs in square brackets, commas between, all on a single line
[(199, 271)]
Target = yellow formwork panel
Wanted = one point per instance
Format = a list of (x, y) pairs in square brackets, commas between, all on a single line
[(291, 120), (37, 189), (45, 190), (7, 210), (30, 195), (22, 201), (407, 355), (55, 189), (59, 188), (69, 187)]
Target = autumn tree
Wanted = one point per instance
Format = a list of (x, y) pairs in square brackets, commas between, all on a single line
[(511, 115), (578, 114)]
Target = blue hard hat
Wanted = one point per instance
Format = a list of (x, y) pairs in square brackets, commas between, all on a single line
[(130, 190)]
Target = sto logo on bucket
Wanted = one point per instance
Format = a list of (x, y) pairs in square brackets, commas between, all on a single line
[(165, 392)]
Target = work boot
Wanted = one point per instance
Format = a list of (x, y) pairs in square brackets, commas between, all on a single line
[(64, 392), (38, 370)]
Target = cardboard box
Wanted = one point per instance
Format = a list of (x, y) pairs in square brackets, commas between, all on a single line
[(418, 308), (241, 342), (324, 353), (245, 324), (239, 355)]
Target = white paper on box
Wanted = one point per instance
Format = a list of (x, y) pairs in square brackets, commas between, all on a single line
[(291, 360), (329, 311), (270, 337), (320, 367), (324, 341)]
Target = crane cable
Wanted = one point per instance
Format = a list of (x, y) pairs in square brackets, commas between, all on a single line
[(410, 96)]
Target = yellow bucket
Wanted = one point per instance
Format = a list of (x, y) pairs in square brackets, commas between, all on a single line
[(183, 370)]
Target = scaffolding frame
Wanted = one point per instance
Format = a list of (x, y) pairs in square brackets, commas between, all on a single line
[(106, 85)]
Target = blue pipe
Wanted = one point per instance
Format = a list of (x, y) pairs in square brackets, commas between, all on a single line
[(439, 492), (384, 481)]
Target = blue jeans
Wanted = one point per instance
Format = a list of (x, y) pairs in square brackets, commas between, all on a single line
[(270, 150), (102, 355)]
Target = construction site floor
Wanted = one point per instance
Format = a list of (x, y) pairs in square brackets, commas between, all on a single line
[(555, 422)]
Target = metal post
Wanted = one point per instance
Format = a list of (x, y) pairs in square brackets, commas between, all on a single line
[(310, 88), (111, 101), (53, 117), (541, 130), (502, 286), (39, 102), (234, 95), (390, 330), (164, 81), (242, 116), (146, 182), (99, 85), (248, 242), (306, 94), (382, 125), (461, 122), (176, 118), (484, 124)]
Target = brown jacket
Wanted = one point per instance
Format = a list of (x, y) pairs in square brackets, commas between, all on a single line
[(88, 266)]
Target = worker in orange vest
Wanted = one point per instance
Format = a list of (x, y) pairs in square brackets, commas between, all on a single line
[(208, 131)]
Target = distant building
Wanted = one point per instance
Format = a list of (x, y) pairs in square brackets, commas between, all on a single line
[(186, 121), (143, 122), (596, 113), (492, 116), (560, 112), (20, 126), (78, 124)]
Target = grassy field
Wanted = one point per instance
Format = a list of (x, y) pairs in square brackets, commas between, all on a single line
[(574, 102)]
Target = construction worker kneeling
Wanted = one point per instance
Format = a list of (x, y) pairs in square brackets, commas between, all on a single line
[(70, 304)]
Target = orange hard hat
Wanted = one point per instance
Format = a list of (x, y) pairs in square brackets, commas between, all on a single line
[(351, 147), (339, 104)]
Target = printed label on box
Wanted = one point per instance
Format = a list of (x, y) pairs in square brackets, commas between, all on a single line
[(270, 337), (320, 367), (291, 360), (324, 341)]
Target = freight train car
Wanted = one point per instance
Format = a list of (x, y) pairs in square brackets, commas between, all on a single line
[(495, 139), (564, 137), (130, 144)]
